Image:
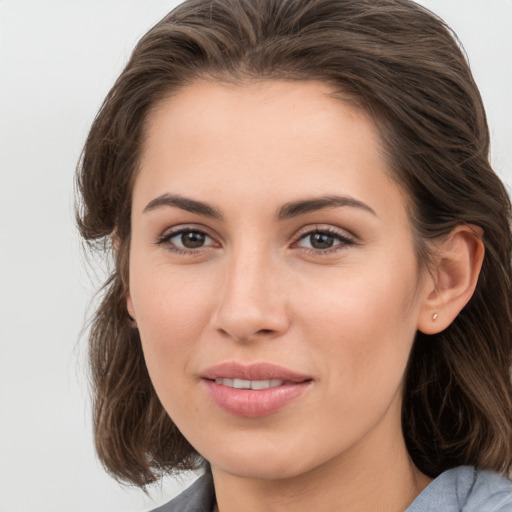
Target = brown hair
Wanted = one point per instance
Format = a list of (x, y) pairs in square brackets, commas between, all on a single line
[(402, 64)]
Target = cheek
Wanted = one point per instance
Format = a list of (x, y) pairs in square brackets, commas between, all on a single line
[(172, 310), (363, 329)]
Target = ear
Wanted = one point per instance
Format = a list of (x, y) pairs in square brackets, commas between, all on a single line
[(453, 278), (115, 241), (129, 305), (131, 311)]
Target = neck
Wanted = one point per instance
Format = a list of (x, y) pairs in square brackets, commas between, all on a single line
[(352, 491), (370, 476)]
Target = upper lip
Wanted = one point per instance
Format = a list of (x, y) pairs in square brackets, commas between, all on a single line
[(253, 371)]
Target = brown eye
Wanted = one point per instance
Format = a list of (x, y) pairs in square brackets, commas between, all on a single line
[(323, 240), (186, 239), (192, 239)]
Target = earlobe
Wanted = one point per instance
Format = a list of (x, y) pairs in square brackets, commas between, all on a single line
[(130, 309), (453, 279), (116, 242)]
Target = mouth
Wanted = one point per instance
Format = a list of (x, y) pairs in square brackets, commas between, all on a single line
[(250, 384), (253, 391)]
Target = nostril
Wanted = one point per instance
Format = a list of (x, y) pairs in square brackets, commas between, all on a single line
[(265, 331)]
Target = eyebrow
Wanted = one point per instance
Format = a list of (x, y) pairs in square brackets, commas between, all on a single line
[(288, 211), (304, 206), (184, 203)]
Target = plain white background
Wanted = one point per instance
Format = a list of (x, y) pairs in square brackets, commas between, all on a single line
[(57, 62)]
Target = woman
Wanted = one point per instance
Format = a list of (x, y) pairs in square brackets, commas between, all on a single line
[(311, 293)]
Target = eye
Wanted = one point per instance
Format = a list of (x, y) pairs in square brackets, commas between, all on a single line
[(190, 239), (324, 240), (186, 240)]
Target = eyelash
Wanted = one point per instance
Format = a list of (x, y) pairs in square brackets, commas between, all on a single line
[(343, 239), (165, 240)]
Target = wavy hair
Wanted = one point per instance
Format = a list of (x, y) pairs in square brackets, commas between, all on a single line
[(403, 65)]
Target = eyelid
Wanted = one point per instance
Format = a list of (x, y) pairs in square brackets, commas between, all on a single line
[(345, 237), (169, 233), (326, 228)]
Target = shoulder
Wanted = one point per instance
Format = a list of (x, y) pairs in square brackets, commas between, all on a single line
[(462, 489), (199, 497), (465, 489)]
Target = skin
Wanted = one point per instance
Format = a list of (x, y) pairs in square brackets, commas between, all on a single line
[(259, 289)]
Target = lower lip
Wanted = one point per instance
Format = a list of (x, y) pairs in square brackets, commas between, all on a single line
[(250, 403)]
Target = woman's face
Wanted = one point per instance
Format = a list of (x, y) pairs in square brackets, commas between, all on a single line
[(273, 277)]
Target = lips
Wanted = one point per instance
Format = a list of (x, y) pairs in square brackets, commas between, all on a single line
[(255, 390), (255, 371)]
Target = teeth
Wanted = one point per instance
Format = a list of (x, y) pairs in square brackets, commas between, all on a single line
[(265, 384), (250, 384)]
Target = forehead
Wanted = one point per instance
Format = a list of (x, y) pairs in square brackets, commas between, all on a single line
[(262, 109), (268, 138)]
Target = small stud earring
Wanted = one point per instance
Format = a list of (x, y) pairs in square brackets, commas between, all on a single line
[(434, 317)]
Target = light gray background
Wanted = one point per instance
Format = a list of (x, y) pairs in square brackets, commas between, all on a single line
[(57, 61)]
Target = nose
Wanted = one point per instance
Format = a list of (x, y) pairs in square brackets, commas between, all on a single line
[(251, 304)]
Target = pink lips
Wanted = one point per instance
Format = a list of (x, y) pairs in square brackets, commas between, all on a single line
[(253, 403)]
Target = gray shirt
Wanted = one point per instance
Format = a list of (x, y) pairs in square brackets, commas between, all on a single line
[(462, 489)]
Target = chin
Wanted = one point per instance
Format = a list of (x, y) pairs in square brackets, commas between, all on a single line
[(262, 469), (264, 463)]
